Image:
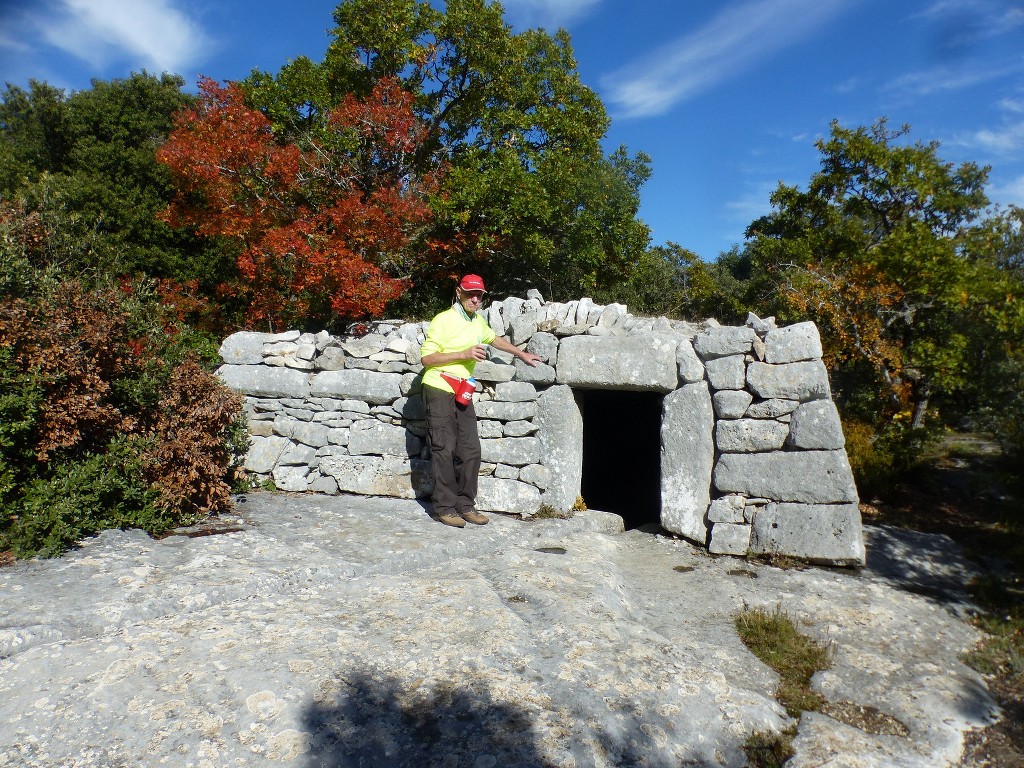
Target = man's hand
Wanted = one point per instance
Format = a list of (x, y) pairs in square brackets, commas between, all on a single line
[(530, 359), (476, 352)]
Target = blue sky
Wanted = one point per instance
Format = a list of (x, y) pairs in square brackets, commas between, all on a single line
[(726, 96)]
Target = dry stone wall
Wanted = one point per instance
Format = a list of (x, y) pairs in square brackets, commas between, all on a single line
[(753, 458)]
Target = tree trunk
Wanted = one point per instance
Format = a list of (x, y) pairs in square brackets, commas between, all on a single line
[(920, 409)]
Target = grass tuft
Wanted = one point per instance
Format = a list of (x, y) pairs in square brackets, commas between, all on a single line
[(775, 640), (548, 512)]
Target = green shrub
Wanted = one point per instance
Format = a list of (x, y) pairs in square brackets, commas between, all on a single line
[(82, 497), (878, 456), (108, 417)]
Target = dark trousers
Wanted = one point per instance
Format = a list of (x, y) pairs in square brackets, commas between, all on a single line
[(454, 451)]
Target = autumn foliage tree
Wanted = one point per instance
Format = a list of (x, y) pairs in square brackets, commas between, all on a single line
[(324, 220)]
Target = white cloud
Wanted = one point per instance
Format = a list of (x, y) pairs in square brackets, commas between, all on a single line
[(989, 18), (548, 13), (944, 79), (153, 33), (731, 42), (754, 203), (1012, 105), (1007, 139), (1009, 192)]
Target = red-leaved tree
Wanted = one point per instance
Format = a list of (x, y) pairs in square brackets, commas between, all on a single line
[(325, 220)]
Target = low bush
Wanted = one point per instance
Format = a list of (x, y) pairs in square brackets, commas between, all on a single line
[(108, 416), (880, 456)]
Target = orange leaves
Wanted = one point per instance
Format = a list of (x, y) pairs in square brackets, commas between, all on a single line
[(855, 303), (226, 165), (325, 219), (76, 347), (188, 457)]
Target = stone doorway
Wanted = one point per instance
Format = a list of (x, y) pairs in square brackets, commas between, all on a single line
[(622, 453)]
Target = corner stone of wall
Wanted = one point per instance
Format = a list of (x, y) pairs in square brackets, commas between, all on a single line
[(753, 461)]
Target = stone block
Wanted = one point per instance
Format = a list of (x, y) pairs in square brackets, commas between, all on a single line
[(243, 348), (487, 428), (511, 308), (723, 342), (511, 496), (291, 478), (727, 372), (264, 452), (545, 346), (750, 435), (583, 309), (610, 315), (299, 364), (372, 437), (690, 367), (495, 320), (515, 392), (261, 427), (331, 359), (297, 454), (505, 472), (316, 435), (411, 407), (364, 346), (522, 328), (516, 451), (536, 474), (789, 381), (727, 509), (540, 374), (489, 370), (504, 411), (261, 381), (560, 433), (792, 344), (396, 476), (687, 458), (822, 533), (369, 386), (731, 403), (519, 428), (809, 477), (816, 426), (317, 483), (637, 363), (771, 409), (729, 539)]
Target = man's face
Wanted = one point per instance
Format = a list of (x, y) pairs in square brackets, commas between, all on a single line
[(471, 300)]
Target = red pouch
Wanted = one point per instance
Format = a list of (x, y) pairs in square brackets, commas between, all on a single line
[(464, 388)]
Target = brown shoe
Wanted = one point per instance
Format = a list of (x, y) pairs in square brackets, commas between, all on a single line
[(453, 520), (474, 517)]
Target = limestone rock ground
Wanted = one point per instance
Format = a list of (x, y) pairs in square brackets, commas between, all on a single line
[(349, 631)]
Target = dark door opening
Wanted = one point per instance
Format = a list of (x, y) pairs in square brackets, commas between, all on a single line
[(622, 453)]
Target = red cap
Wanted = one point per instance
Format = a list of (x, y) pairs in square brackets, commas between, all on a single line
[(472, 283)]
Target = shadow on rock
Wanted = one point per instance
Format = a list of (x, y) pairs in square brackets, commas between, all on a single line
[(927, 564), (376, 723), (373, 723)]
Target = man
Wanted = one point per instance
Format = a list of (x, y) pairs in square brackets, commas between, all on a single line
[(456, 339)]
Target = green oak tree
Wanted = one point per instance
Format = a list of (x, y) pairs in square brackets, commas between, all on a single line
[(83, 163), (887, 250), (529, 197)]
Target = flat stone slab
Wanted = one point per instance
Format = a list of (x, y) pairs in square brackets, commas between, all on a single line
[(343, 631)]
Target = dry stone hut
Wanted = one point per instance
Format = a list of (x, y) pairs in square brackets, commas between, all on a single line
[(727, 436)]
